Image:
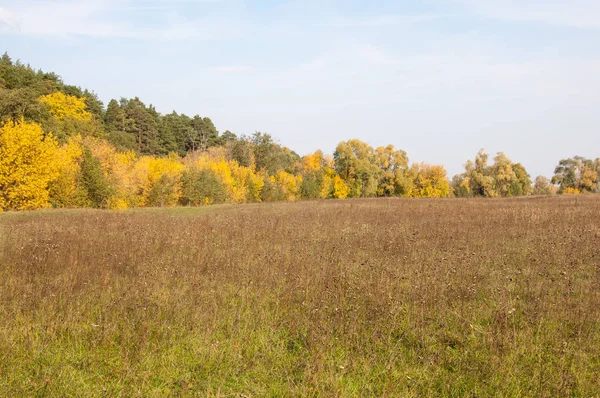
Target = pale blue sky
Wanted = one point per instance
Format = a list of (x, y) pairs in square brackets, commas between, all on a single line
[(437, 78)]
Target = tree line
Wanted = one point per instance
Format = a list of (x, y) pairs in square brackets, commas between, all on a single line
[(61, 147)]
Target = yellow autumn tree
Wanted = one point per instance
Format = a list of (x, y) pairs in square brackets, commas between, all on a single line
[(224, 170), (65, 190), (289, 184), (313, 162), (63, 106), (340, 189), (119, 169), (242, 184), (311, 169), (327, 186), (254, 184), (28, 164), (431, 182), (248, 185), (122, 174), (69, 116), (158, 180), (333, 186)]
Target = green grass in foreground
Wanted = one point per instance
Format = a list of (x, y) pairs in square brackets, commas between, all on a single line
[(339, 298)]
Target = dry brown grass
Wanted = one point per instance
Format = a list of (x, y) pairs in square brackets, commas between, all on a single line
[(334, 298)]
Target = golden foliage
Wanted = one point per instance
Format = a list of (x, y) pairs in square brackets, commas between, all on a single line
[(64, 106), (65, 191), (289, 184), (242, 184), (431, 182), (340, 189), (226, 170), (157, 180), (36, 172), (28, 164), (119, 168), (255, 185), (571, 191), (312, 162)]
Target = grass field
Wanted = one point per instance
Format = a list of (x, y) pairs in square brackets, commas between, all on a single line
[(465, 298)]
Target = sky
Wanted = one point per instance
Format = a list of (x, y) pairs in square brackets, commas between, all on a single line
[(440, 79)]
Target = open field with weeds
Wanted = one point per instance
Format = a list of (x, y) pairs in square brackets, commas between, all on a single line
[(376, 297)]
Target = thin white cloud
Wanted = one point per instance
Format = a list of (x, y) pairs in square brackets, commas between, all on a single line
[(375, 55), (229, 69), (457, 75), (379, 21), (454, 98), (8, 20), (108, 19), (583, 14)]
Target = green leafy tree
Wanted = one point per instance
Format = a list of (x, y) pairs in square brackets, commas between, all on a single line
[(270, 156), (503, 178), (481, 180), (175, 133), (114, 117), (521, 183), (311, 185), (22, 103), (228, 136), (20, 88), (204, 134), (395, 178), (241, 151), (577, 174), (461, 187), (201, 187), (355, 163), (93, 180), (162, 191), (144, 125), (116, 123), (271, 192)]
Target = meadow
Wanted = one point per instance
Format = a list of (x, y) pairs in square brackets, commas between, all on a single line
[(373, 297)]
